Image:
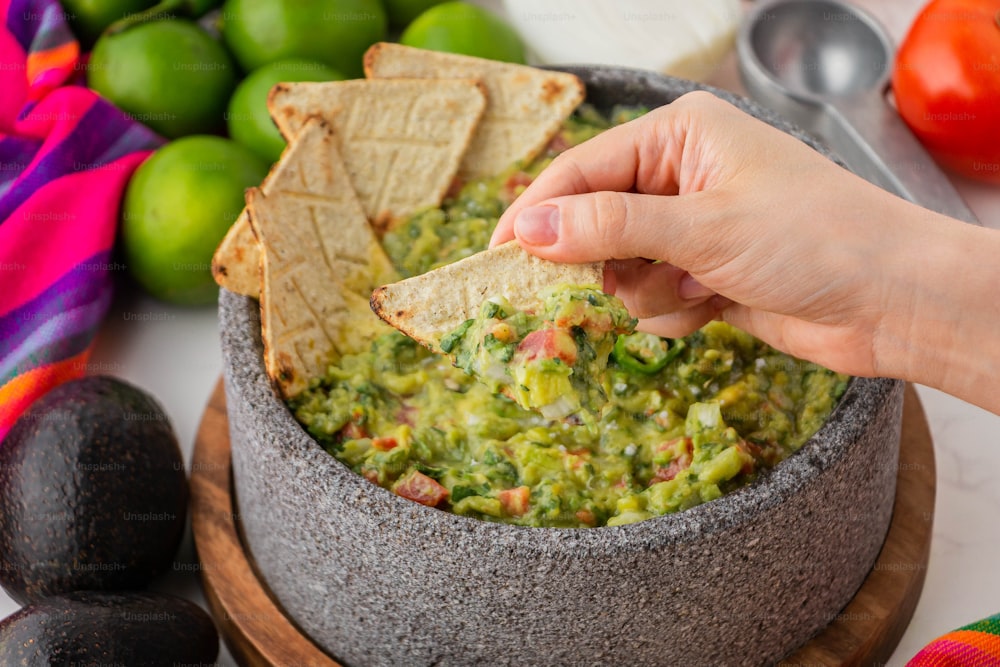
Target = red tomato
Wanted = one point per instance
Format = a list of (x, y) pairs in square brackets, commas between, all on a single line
[(548, 344), (947, 84), (516, 501), (420, 488), (353, 431), (384, 444), (683, 451)]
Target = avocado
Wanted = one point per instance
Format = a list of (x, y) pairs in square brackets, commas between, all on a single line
[(93, 492), (104, 628)]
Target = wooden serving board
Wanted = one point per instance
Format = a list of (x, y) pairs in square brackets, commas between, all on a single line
[(259, 634)]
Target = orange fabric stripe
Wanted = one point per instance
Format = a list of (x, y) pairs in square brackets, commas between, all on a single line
[(984, 641), (21, 391), (58, 57)]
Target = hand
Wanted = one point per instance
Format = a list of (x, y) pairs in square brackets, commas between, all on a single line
[(749, 225)]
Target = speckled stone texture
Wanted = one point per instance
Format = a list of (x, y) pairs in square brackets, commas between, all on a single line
[(379, 580)]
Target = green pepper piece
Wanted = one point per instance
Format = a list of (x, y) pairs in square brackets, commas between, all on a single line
[(645, 353), (449, 342)]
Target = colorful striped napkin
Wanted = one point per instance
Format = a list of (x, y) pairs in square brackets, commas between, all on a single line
[(975, 645), (65, 157)]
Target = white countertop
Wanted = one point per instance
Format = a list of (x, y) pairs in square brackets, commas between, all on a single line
[(175, 355)]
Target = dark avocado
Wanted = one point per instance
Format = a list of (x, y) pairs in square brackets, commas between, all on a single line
[(102, 628), (93, 492)]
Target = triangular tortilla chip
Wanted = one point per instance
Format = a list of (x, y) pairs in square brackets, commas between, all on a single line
[(401, 140), (320, 260), (525, 106), (430, 306), (236, 262)]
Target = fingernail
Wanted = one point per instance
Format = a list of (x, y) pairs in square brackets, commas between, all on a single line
[(690, 289), (538, 225)]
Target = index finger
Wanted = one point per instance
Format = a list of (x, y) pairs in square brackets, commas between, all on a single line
[(642, 155)]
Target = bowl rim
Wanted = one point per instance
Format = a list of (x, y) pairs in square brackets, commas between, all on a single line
[(818, 456)]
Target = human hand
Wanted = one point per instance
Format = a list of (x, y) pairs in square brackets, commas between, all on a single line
[(749, 225)]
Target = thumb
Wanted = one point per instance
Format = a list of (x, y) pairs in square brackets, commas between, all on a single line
[(616, 225)]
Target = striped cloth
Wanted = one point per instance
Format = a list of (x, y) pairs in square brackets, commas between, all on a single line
[(65, 157), (975, 645)]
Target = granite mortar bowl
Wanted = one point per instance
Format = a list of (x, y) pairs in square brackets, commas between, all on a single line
[(375, 579)]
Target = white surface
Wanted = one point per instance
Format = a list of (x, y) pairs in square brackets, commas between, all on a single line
[(174, 354)]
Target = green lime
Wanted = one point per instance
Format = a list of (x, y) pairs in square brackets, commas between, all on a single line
[(178, 206), (334, 32), (170, 75), (89, 18), (247, 117), (401, 12), (458, 27)]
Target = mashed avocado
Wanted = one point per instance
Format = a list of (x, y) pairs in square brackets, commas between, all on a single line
[(552, 361), (686, 420)]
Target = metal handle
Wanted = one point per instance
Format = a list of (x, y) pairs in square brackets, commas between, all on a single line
[(874, 141)]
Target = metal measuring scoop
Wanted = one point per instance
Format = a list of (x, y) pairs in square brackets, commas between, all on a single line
[(825, 65)]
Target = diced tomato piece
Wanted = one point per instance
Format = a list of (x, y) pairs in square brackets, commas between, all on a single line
[(683, 449), (384, 444), (516, 501), (548, 344), (420, 488), (371, 475), (586, 516), (667, 473), (353, 431)]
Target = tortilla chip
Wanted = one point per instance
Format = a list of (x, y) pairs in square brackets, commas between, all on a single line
[(236, 262), (319, 263), (525, 106), (430, 306), (401, 140)]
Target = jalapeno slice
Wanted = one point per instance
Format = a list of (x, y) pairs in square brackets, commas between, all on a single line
[(645, 353)]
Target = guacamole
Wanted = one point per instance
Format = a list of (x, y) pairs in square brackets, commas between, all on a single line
[(685, 421), (552, 361)]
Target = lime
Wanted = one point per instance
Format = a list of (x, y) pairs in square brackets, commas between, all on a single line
[(89, 18), (334, 32), (178, 206), (247, 118), (169, 74), (401, 12), (457, 27)]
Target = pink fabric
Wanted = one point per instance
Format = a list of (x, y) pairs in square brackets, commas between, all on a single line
[(83, 232), (65, 158)]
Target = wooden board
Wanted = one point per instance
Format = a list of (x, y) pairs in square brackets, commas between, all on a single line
[(259, 634)]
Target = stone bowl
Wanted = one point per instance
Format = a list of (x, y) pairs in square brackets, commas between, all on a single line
[(375, 579)]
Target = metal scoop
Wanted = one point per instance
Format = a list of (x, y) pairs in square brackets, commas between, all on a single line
[(825, 65)]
